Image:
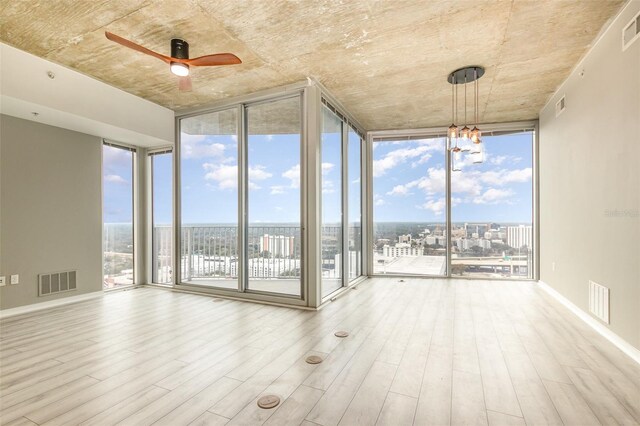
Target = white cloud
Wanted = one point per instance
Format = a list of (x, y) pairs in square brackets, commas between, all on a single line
[(424, 159), (327, 167), (278, 189), (196, 146), (503, 176), (399, 156), (327, 186), (473, 186), (226, 176), (494, 196), (293, 174), (497, 160), (399, 190), (435, 206), (438, 206), (378, 200), (115, 179)]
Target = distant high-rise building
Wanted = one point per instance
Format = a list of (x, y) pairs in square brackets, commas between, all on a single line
[(401, 249), (277, 245), (404, 238)]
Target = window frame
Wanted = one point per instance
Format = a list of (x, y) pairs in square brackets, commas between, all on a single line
[(150, 261)]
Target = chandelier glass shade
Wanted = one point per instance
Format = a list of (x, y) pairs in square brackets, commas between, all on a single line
[(464, 141)]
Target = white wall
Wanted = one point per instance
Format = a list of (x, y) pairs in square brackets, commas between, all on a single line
[(590, 180), (50, 208)]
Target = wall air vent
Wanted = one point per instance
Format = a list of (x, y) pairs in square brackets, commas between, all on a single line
[(560, 106), (631, 32), (56, 282), (599, 301)]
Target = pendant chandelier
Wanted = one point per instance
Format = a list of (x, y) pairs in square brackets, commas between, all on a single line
[(464, 141)]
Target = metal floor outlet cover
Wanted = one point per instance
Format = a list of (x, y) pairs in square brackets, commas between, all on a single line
[(269, 401)]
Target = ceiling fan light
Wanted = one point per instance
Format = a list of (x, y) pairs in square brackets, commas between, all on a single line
[(180, 69)]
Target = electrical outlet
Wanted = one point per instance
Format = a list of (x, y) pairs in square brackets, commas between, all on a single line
[(2, 282), (553, 266), (15, 279)]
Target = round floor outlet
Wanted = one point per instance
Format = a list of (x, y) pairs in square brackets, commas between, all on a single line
[(268, 401), (313, 359)]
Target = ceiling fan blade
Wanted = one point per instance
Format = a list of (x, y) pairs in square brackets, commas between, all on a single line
[(134, 46), (184, 84), (213, 60)]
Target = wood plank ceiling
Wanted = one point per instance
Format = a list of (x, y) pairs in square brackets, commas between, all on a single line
[(386, 61)]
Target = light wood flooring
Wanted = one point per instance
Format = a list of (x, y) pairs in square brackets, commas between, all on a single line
[(419, 352)]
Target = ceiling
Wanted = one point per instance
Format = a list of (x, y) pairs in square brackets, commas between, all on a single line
[(386, 61)]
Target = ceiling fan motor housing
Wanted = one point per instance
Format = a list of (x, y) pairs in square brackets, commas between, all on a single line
[(179, 49)]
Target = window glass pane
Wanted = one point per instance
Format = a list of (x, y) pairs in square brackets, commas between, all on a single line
[(354, 182), (274, 259), (492, 214), (209, 199), (331, 244), (162, 184), (118, 250), (409, 207)]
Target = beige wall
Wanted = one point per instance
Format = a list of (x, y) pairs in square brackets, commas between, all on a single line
[(590, 181), (50, 208)]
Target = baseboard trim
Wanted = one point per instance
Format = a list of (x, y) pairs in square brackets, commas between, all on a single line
[(5, 313), (600, 328)]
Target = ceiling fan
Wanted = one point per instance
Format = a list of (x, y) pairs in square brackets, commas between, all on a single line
[(179, 61)]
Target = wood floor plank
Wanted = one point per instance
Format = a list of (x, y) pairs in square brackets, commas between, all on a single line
[(209, 419), (296, 407), (467, 399), (398, 410), (86, 403), (419, 351), (283, 387), (25, 406), (500, 419), (573, 409), (127, 407), (367, 403), (191, 409), (601, 401)]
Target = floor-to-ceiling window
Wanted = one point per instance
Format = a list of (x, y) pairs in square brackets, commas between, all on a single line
[(161, 174), (409, 206), (209, 199), (332, 237), (492, 230), (354, 197), (117, 215), (273, 196), (341, 201)]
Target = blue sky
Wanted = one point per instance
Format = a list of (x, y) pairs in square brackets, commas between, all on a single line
[(408, 181), (117, 177)]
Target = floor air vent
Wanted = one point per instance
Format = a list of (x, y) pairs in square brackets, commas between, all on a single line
[(599, 301), (56, 282)]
